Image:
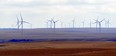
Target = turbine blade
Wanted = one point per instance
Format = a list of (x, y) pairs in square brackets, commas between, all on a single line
[(17, 24), (102, 20), (21, 17), (25, 22), (57, 21), (17, 19), (95, 20)]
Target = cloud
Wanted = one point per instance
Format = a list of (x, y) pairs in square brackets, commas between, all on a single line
[(59, 6), (45, 8)]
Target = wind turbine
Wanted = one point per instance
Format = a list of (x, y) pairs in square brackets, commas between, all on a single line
[(83, 23), (61, 24), (47, 23), (51, 22), (55, 21), (107, 23), (69, 25), (20, 23), (73, 21), (90, 24), (98, 22)]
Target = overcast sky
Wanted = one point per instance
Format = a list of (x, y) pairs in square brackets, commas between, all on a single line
[(38, 12)]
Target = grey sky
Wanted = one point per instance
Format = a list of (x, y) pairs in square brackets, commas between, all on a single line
[(38, 11)]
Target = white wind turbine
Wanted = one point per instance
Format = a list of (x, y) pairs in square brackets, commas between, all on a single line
[(98, 22), (90, 24), (51, 22), (47, 23), (107, 23), (62, 24), (83, 23), (73, 23), (55, 21), (69, 25), (20, 23)]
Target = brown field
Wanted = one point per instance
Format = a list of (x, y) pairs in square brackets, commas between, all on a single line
[(59, 49), (54, 48)]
